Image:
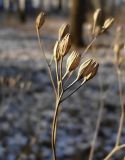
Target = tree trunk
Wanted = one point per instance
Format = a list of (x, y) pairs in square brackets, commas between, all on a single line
[(60, 5), (22, 10), (78, 17)]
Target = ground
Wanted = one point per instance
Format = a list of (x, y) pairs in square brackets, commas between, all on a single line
[(27, 99)]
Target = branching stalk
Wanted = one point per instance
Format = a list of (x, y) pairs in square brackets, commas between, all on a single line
[(122, 108), (72, 92), (48, 66), (115, 150)]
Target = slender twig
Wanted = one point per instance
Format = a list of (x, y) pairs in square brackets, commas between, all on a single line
[(122, 107), (54, 126), (64, 76), (48, 66), (61, 83), (115, 150), (70, 74), (91, 155), (120, 129), (99, 118), (51, 60), (73, 92), (71, 84), (88, 47), (57, 77)]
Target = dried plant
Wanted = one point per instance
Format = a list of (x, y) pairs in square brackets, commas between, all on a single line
[(86, 71), (96, 31), (118, 62)]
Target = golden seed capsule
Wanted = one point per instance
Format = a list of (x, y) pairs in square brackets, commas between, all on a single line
[(63, 31), (40, 20), (96, 18), (93, 72), (56, 51), (117, 48), (88, 69), (73, 61), (108, 22), (65, 45)]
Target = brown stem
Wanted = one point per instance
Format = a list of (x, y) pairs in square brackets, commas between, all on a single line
[(122, 108), (116, 149), (54, 126), (73, 91), (48, 66), (90, 44), (91, 155)]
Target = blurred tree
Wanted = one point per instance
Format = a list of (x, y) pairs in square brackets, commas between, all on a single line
[(22, 10), (79, 10), (60, 5)]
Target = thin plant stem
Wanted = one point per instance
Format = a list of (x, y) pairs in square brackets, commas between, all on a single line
[(88, 47), (57, 77), (115, 150), (122, 107), (48, 66), (99, 118), (117, 147), (68, 77), (91, 155), (64, 75), (71, 84), (73, 92), (61, 83), (54, 126), (51, 60)]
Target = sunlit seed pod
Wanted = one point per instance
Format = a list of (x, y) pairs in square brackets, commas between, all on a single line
[(87, 69), (40, 20), (108, 22), (73, 61), (96, 18), (56, 51), (92, 73), (65, 45), (65, 28), (117, 48), (83, 67)]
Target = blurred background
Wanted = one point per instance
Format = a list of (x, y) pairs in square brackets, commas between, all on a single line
[(26, 95)]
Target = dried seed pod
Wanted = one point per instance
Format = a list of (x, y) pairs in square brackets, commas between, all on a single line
[(40, 20), (63, 31), (56, 51), (73, 61), (108, 22), (65, 45), (96, 18), (93, 72), (88, 70), (117, 48)]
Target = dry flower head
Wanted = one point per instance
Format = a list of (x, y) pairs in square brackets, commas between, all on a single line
[(88, 70), (65, 45), (73, 61), (65, 28), (40, 20), (96, 18), (108, 22), (56, 53)]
